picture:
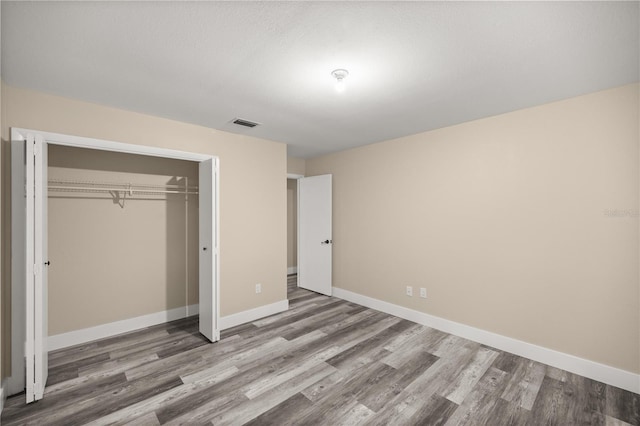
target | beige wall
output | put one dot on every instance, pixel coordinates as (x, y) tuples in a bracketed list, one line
[(523, 224), (119, 256), (292, 223), (296, 166), (252, 194)]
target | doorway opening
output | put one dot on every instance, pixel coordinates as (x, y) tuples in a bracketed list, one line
[(122, 239), (292, 226), (29, 243)]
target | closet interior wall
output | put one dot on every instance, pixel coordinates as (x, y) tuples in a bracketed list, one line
[(119, 254)]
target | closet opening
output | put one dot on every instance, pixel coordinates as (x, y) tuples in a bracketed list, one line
[(106, 238), (122, 239)]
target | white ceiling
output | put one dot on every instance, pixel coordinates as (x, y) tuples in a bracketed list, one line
[(414, 66)]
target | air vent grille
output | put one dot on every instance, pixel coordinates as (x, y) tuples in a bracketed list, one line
[(245, 123)]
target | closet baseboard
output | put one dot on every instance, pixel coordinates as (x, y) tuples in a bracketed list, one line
[(85, 335), (253, 314)]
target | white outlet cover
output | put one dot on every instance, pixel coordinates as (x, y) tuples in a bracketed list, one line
[(409, 290), (423, 292), (258, 288)]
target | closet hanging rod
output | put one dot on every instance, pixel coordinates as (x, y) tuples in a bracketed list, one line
[(71, 186), (140, 185), (130, 190)]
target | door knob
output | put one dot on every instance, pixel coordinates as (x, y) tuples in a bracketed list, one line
[(47, 263), (326, 242)]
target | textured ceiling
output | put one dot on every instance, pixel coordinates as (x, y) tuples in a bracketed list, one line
[(414, 66)]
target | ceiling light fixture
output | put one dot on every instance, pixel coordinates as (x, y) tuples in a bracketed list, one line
[(340, 75)]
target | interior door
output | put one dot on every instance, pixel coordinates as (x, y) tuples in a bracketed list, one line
[(41, 313), (314, 234), (36, 267), (208, 249)]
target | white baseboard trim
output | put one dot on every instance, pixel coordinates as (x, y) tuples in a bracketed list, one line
[(292, 270), (85, 335), (583, 367), (253, 314)]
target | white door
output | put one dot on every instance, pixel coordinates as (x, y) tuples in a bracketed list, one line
[(208, 249), (41, 312), (314, 234), (35, 277)]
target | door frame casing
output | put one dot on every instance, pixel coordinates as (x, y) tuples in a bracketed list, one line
[(16, 382), (295, 176), (19, 258)]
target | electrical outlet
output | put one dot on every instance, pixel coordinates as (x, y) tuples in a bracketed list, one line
[(409, 291), (423, 292), (258, 288)]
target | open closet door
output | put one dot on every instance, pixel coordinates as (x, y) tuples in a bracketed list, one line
[(35, 277), (208, 249), (41, 313)]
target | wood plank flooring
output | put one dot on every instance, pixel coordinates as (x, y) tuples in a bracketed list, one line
[(324, 361)]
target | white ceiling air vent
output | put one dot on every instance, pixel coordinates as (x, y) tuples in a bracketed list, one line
[(245, 123)]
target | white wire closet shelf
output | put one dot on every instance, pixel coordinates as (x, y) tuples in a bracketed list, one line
[(59, 185)]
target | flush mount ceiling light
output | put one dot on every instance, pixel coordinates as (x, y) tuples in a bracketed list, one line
[(340, 75)]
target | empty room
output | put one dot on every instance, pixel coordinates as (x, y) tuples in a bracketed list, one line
[(320, 213)]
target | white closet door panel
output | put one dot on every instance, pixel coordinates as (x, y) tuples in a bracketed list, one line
[(30, 270), (41, 268), (208, 249)]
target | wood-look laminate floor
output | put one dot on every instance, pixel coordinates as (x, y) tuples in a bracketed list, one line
[(324, 361)]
